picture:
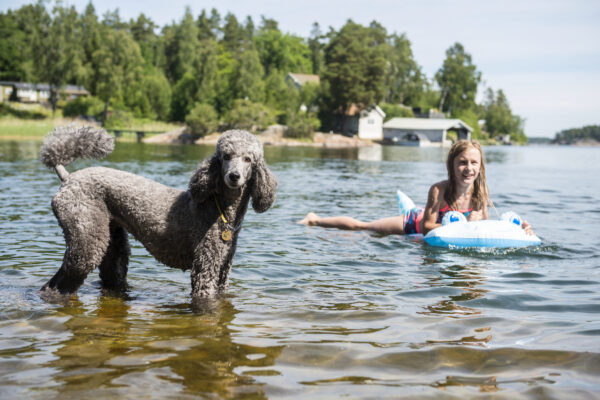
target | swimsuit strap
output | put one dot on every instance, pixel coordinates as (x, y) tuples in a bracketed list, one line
[(447, 208)]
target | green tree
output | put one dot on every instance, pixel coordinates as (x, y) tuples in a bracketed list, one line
[(34, 21), (91, 32), (156, 89), (249, 29), (142, 30), (198, 85), (183, 98), (208, 26), (458, 79), (315, 45), (404, 81), (225, 82), (119, 62), (499, 119), (279, 96), (354, 69), (206, 71), (58, 54), (234, 35), (181, 47), (112, 19), (13, 41), (285, 53), (249, 75)]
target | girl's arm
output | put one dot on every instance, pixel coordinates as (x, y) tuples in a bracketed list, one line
[(528, 229), (432, 209), (478, 215)]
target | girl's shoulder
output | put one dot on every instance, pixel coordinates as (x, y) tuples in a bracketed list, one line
[(436, 193), (439, 187)]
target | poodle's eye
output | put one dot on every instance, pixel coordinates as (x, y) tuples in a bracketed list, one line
[(226, 157), (247, 159)]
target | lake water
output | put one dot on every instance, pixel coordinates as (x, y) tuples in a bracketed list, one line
[(312, 312)]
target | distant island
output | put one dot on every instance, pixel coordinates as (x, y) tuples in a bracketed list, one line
[(587, 135)]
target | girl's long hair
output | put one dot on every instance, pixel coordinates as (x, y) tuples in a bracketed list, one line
[(480, 196)]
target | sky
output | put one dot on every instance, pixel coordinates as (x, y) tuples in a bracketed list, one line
[(544, 54)]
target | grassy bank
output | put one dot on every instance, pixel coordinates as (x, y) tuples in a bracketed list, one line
[(32, 129), (14, 128), (34, 121)]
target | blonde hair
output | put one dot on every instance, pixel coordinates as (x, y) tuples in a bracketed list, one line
[(480, 196)]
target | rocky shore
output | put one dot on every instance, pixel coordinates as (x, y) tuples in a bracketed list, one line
[(272, 136)]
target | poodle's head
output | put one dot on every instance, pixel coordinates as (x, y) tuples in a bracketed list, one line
[(238, 152), (238, 161)]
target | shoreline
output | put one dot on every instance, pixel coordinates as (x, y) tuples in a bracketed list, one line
[(273, 136)]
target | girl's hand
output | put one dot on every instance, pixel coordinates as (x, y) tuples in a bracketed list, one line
[(475, 216), (527, 227)]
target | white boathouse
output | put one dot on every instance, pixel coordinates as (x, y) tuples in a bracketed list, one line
[(424, 131)]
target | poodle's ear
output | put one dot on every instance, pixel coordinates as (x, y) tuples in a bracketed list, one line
[(204, 181), (264, 187)]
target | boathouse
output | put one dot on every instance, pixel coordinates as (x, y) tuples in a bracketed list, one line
[(424, 131)]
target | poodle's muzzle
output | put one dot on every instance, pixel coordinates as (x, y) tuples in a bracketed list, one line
[(237, 171)]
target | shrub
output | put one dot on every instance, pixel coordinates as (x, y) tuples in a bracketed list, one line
[(471, 118), (396, 111), (22, 111), (249, 116), (84, 106), (302, 125), (119, 119), (202, 119)]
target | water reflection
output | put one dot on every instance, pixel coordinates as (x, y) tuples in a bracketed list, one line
[(118, 347), (315, 313), (468, 279)]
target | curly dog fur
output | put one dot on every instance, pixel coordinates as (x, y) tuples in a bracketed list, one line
[(96, 207)]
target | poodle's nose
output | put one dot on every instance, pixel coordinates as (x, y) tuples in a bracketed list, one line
[(234, 176)]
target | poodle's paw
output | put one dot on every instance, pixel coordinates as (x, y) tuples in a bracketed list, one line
[(53, 295), (310, 219)]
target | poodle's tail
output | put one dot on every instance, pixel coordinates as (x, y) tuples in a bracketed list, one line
[(66, 143)]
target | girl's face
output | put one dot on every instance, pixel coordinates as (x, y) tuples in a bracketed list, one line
[(467, 166)]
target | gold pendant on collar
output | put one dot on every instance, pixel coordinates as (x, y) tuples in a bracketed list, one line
[(226, 235)]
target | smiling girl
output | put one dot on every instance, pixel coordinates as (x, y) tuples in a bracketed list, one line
[(464, 191)]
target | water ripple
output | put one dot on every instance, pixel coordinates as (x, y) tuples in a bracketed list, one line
[(315, 312)]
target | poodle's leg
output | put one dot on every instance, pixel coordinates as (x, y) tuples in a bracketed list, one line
[(205, 276), (113, 269), (211, 268), (87, 235)]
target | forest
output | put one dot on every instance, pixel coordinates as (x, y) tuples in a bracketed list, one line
[(586, 134), (215, 71)]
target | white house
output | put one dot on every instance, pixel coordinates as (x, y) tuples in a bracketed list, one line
[(37, 92), (424, 131), (370, 123)]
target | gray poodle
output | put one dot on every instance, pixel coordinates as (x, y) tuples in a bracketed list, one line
[(195, 230)]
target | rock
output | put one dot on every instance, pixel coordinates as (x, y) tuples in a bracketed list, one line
[(332, 140), (176, 136), (272, 136), (208, 139)]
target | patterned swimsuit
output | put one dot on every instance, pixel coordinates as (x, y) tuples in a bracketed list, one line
[(412, 218)]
